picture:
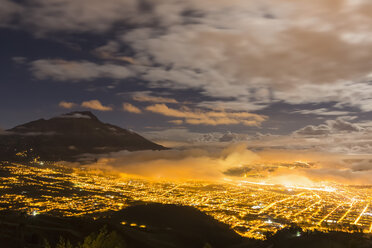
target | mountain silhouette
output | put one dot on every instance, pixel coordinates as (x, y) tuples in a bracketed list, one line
[(68, 136)]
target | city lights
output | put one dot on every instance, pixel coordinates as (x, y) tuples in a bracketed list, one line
[(251, 209)]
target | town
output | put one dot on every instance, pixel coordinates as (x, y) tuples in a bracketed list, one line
[(251, 209)]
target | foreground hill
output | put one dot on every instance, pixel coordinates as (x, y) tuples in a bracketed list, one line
[(182, 225), (67, 136), (139, 226)]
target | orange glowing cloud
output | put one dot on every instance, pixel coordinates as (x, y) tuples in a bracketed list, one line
[(96, 105), (131, 108), (213, 118), (67, 105), (142, 97), (194, 163)]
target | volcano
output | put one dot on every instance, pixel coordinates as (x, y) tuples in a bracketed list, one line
[(68, 137)]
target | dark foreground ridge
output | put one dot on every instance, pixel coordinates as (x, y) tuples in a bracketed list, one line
[(67, 136), (154, 226)]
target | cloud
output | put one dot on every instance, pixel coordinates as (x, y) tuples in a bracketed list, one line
[(340, 175), (218, 163), (314, 130), (62, 70), (321, 111), (331, 126), (261, 170), (184, 137), (237, 104), (213, 118), (8, 12), (96, 105), (75, 116), (344, 93), (177, 122), (172, 137), (67, 105), (285, 55), (359, 165), (328, 148), (111, 51), (19, 60), (92, 104), (229, 137), (131, 108), (47, 16), (250, 54), (145, 97), (340, 125), (193, 163)]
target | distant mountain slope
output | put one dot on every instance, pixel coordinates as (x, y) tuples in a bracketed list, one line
[(66, 136)]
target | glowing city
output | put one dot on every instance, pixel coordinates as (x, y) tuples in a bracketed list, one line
[(251, 209)]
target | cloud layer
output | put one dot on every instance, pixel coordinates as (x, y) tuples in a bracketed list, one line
[(213, 118), (252, 52), (238, 163)]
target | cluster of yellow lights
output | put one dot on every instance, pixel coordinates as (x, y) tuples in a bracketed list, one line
[(250, 208)]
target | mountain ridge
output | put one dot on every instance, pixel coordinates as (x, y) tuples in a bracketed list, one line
[(69, 135)]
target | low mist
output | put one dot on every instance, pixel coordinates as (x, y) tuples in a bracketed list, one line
[(236, 162)]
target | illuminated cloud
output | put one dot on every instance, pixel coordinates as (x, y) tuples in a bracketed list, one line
[(110, 51), (314, 130), (331, 126), (145, 97), (253, 53), (213, 118), (62, 70), (343, 93), (183, 137), (131, 108), (67, 105), (228, 137), (288, 53), (45, 16), (321, 111), (8, 12), (177, 122), (236, 161), (196, 163), (96, 105)]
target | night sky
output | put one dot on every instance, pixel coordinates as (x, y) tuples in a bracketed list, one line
[(279, 74)]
